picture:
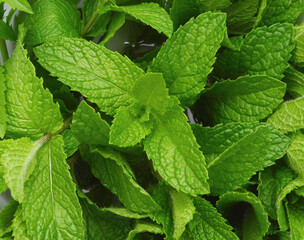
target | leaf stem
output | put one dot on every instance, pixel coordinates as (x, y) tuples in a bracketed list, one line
[(3, 50)]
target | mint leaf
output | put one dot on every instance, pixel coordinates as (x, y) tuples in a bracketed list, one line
[(19, 226), (102, 225), (259, 223), (282, 11), (71, 143), (119, 180), (93, 78), (208, 224), (290, 116), (6, 32), (245, 99), (3, 186), (265, 51), (209, 5), (116, 23), (89, 127), (18, 158), (22, 5), (182, 212), (295, 82), (52, 20), (295, 154), (195, 44), (50, 197), (30, 109), (3, 117), (151, 14), (297, 54), (172, 146), (296, 220), (124, 212), (7, 216), (141, 227)]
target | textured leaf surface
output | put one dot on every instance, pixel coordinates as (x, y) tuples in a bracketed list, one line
[(89, 127), (110, 168), (22, 5), (290, 116), (71, 143), (151, 14), (124, 212), (265, 51), (195, 44), (117, 21), (30, 109), (50, 205), (52, 19), (245, 99), (19, 226), (209, 5), (295, 154), (282, 11), (6, 32), (141, 227), (298, 52), (229, 199), (182, 211), (3, 117), (208, 224), (296, 220), (7, 216), (18, 158), (3, 186), (239, 162), (102, 225), (295, 82), (103, 76), (175, 153)]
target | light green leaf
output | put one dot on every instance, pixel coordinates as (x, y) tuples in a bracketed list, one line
[(174, 152), (195, 44), (296, 220), (104, 77), (19, 226), (128, 129), (112, 170), (6, 32), (297, 54), (50, 207), (245, 99), (182, 211), (295, 82), (265, 51), (289, 117), (18, 158), (30, 109), (3, 186), (117, 21), (295, 154), (102, 225), (208, 224), (260, 223), (239, 162), (52, 20), (151, 14), (71, 143), (3, 117), (7, 216), (22, 5), (282, 11), (141, 227), (89, 127), (214, 141), (124, 212)]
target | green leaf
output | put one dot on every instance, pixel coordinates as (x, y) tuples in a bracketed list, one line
[(71, 143), (289, 117), (89, 127), (214, 141), (6, 32), (245, 99), (19, 226), (30, 109), (124, 212), (265, 51), (296, 220), (3, 117), (210, 5), (239, 162), (208, 224), (50, 207), (18, 158), (89, 69), (182, 11), (182, 211), (297, 54), (195, 44), (282, 11), (151, 14), (7, 216), (52, 20), (117, 21), (102, 225), (260, 223), (111, 168), (3, 186), (295, 154), (174, 152), (141, 227), (295, 82), (22, 5)]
